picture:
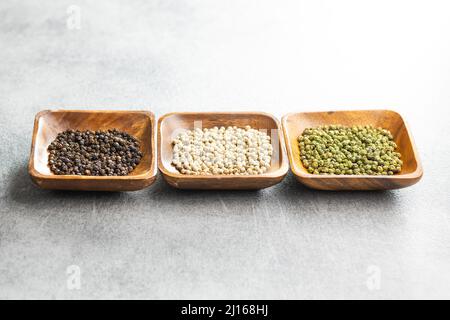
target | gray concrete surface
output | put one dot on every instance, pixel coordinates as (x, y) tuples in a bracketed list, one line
[(283, 242)]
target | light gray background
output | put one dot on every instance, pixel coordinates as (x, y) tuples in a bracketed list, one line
[(275, 56)]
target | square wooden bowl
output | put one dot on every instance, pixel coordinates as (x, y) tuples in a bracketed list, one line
[(49, 123), (171, 124), (294, 124)]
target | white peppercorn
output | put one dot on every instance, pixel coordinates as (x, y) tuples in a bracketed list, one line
[(222, 151)]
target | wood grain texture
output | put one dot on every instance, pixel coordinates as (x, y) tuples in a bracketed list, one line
[(48, 124), (295, 123), (171, 124)]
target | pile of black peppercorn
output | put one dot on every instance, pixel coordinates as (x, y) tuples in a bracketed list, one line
[(94, 153)]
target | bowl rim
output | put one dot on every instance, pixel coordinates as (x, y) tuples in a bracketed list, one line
[(417, 173), (280, 172), (148, 174)]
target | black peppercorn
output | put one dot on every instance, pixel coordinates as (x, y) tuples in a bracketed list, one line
[(94, 153)]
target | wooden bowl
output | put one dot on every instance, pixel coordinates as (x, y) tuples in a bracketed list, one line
[(294, 124), (48, 124), (171, 124)]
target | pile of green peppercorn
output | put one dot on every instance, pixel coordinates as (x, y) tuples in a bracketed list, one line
[(356, 150), (94, 153)]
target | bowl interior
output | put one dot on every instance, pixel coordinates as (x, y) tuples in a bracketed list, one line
[(390, 120), (173, 124), (50, 123)]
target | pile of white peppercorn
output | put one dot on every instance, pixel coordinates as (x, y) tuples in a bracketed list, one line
[(94, 153), (222, 151)]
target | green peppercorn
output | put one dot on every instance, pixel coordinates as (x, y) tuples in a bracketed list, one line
[(355, 150)]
